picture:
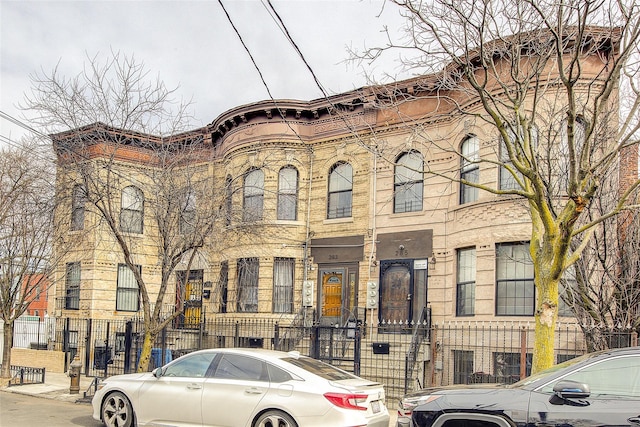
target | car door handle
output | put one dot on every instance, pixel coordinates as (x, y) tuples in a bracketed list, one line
[(634, 420), (253, 390), (194, 386)]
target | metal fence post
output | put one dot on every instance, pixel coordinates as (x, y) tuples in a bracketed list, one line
[(127, 347), (236, 335), (87, 347), (107, 352), (65, 343), (357, 349), (434, 354), (276, 337), (406, 371), (201, 329), (315, 342), (163, 347)]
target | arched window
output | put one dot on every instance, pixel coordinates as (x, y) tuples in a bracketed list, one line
[(78, 200), (469, 169), (288, 193), (561, 162), (408, 184), (253, 195), (340, 195), (507, 179), (132, 210), (510, 180)]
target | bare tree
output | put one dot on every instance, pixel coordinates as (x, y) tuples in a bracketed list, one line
[(603, 287), (122, 151), (546, 75), (27, 234)]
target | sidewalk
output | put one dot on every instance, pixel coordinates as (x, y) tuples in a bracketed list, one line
[(56, 386)]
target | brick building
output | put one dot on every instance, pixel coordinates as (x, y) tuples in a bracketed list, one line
[(346, 224), (38, 288)]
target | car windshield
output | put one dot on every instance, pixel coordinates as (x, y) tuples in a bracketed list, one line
[(533, 379), (320, 369)]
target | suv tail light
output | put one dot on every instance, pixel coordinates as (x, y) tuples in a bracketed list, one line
[(348, 400)]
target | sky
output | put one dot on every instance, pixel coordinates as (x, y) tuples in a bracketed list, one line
[(192, 46)]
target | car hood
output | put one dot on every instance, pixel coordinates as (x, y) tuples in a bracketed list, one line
[(482, 397), (129, 377), (457, 389)]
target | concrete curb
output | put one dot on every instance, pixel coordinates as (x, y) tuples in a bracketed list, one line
[(56, 387)]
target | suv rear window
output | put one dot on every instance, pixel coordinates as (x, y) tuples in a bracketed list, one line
[(320, 369)]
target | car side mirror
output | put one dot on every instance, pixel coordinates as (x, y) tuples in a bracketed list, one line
[(571, 390), (157, 372)]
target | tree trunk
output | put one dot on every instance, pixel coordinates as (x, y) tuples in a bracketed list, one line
[(6, 350), (145, 352), (546, 316)]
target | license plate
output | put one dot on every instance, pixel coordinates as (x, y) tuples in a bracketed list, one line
[(375, 406)]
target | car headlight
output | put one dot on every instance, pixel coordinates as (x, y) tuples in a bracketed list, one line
[(408, 404), (100, 385)]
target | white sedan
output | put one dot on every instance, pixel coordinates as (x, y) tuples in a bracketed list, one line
[(241, 388)]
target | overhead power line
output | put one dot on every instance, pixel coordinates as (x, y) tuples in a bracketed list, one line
[(284, 29), (287, 34), (20, 123), (246, 49)]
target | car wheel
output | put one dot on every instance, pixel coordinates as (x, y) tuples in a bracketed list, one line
[(275, 419), (117, 411)]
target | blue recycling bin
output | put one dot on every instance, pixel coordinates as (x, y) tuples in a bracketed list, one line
[(156, 357)]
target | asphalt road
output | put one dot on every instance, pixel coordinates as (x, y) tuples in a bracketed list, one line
[(18, 410)]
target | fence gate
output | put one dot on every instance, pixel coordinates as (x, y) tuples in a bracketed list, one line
[(338, 346)]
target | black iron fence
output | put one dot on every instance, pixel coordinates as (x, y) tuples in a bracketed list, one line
[(22, 375), (402, 356)]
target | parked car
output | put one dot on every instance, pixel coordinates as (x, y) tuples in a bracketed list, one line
[(596, 389), (241, 387)]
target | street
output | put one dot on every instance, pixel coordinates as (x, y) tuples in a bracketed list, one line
[(17, 410)]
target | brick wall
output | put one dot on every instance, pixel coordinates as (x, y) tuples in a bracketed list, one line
[(52, 361)]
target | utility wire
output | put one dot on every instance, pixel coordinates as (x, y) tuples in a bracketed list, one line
[(246, 49), (297, 49), (31, 150), (264, 82), (283, 28), (20, 123)]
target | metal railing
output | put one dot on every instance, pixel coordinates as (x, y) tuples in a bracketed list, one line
[(401, 355), (23, 375), (418, 336)]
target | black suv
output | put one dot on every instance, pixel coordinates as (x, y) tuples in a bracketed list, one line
[(596, 389)]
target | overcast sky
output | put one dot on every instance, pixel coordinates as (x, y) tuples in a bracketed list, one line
[(191, 44)]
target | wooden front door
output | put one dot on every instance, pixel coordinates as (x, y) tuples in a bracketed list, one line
[(332, 293), (338, 293)]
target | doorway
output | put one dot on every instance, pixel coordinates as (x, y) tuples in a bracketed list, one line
[(338, 293), (403, 290), (189, 298)]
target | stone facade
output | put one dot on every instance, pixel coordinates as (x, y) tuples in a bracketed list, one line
[(408, 256)]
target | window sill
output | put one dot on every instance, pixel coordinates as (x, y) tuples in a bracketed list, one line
[(338, 220), (289, 222), (408, 214)]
